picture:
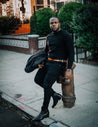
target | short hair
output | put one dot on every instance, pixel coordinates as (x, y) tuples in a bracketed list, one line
[(55, 17)]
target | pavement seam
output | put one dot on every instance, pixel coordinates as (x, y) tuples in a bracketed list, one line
[(85, 83), (60, 122), (35, 100), (89, 90)]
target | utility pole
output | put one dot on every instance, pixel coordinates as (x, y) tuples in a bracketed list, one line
[(35, 19)]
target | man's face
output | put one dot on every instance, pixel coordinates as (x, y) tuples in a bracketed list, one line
[(54, 24)]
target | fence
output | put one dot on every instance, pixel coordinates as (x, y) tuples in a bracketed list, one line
[(30, 44), (80, 54)]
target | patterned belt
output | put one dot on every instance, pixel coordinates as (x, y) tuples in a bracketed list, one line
[(57, 60)]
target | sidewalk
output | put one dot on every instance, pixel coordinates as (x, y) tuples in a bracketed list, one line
[(19, 88)]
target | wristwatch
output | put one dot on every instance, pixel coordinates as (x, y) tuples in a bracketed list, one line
[(68, 69)]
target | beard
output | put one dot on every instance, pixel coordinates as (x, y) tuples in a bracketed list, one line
[(55, 29)]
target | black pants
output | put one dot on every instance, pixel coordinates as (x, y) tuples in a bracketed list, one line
[(46, 77)]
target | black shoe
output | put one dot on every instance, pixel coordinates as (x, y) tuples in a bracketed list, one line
[(56, 98), (42, 115)]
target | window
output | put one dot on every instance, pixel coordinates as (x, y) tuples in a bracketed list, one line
[(39, 1), (48, 2)]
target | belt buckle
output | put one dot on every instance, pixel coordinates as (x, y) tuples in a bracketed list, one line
[(57, 60), (62, 61)]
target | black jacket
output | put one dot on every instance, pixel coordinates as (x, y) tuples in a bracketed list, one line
[(61, 46), (34, 60)]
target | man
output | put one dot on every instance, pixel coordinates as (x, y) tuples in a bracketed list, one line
[(59, 48)]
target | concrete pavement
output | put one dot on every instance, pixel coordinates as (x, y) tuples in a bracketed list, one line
[(19, 88)]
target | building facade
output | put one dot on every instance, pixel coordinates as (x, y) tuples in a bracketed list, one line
[(23, 9)]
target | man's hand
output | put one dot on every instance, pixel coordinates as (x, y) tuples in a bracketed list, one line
[(68, 74), (41, 65)]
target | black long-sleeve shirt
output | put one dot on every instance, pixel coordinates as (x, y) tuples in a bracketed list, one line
[(60, 46)]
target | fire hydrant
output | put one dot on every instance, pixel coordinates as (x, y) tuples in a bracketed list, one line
[(68, 90)]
